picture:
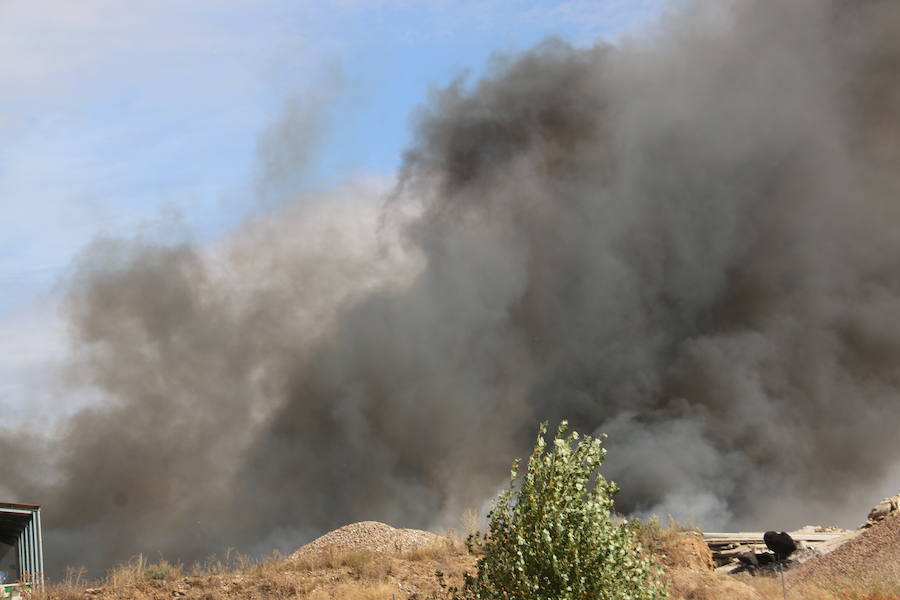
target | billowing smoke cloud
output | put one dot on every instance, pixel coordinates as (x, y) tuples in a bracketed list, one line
[(690, 241)]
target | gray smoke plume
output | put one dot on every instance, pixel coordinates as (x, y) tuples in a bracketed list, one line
[(690, 241)]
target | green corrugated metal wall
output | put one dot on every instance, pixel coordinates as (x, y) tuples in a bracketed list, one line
[(20, 525)]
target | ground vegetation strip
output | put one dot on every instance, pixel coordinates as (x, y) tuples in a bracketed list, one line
[(353, 571)]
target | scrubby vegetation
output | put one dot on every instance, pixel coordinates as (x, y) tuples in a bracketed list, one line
[(334, 574), (551, 533), (331, 574)]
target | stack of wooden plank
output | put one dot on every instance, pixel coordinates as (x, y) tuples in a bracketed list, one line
[(746, 549)]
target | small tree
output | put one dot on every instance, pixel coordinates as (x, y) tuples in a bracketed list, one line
[(551, 537)]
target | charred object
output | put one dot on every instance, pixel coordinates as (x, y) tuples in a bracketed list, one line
[(780, 543)]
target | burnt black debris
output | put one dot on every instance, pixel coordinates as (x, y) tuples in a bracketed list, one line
[(781, 543)]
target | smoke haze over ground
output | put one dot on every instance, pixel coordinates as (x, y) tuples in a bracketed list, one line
[(690, 241)]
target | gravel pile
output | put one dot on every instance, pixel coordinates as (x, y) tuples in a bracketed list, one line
[(369, 535), (873, 556)]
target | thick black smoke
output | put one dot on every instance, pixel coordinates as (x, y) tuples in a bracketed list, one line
[(690, 241)]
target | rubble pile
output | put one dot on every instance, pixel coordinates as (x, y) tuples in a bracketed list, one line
[(756, 558), (369, 535), (881, 511), (746, 552)]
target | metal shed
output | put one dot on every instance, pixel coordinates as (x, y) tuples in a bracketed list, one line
[(21, 549)]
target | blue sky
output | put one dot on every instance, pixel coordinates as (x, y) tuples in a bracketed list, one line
[(118, 115)]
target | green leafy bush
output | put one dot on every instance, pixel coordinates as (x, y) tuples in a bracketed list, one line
[(551, 535)]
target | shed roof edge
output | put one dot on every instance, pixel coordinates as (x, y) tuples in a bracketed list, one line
[(18, 506)]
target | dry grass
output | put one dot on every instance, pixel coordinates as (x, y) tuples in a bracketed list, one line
[(769, 588), (379, 591), (441, 548), (674, 545), (471, 521), (358, 574), (329, 574), (139, 570), (691, 584)]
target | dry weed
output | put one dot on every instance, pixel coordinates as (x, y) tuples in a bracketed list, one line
[(361, 564), (690, 584), (449, 545), (674, 545), (770, 589), (471, 521), (368, 575), (379, 591)]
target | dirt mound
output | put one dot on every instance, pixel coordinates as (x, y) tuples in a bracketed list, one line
[(683, 550), (871, 557), (369, 535)]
